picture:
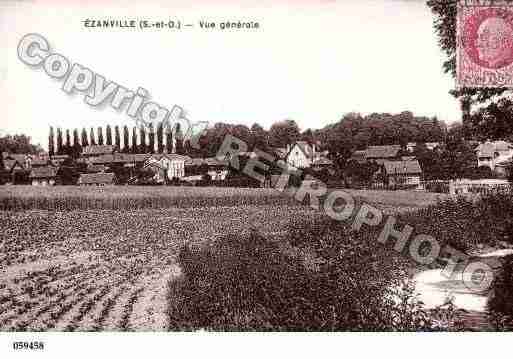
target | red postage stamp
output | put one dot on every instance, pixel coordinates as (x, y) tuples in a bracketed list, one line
[(484, 46)]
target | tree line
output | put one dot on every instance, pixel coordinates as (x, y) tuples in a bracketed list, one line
[(340, 139), (71, 142)]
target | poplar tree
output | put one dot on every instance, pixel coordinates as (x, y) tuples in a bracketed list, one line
[(67, 147), (76, 149), (142, 134), (134, 140), (51, 148), (151, 136), (169, 141), (92, 140), (60, 149), (85, 142), (100, 136), (160, 138), (117, 138), (126, 139), (108, 134)]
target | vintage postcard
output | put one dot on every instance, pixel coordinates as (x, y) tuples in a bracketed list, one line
[(179, 177)]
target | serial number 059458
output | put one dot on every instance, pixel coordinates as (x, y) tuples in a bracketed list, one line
[(28, 345)]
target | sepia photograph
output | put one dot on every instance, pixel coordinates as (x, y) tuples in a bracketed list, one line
[(233, 177)]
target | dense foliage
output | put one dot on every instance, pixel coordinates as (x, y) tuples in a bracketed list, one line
[(18, 144), (253, 283)]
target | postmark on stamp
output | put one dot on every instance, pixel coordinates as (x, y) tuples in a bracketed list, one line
[(484, 46)]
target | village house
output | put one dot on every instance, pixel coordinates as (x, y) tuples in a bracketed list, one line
[(304, 155), (217, 168), (402, 173), (494, 155), (380, 154), (96, 179), (43, 176), (166, 166)]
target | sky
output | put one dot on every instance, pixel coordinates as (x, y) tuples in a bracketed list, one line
[(310, 60)]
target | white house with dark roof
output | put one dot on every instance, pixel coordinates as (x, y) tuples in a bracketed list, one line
[(305, 155)]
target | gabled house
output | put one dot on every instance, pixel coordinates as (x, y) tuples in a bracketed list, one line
[(399, 173), (43, 176), (166, 166), (305, 155), (490, 154)]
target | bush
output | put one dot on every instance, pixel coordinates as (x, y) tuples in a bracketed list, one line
[(499, 303), (252, 283), (464, 223)]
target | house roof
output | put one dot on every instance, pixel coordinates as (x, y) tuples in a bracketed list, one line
[(98, 149), (170, 156), (488, 148), (388, 151), (96, 178), (194, 162), (60, 157), (120, 158), (213, 161), (402, 167), (43, 172)]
